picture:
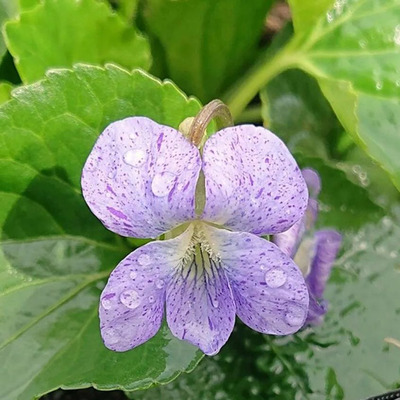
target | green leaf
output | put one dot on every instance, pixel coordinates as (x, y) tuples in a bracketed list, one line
[(353, 49), (27, 4), (344, 205), (5, 91), (8, 9), (295, 109), (203, 383), (127, 8), (59, 33), (306, 13), (364, 312), (55, 255), (361, 169), (211, 41)]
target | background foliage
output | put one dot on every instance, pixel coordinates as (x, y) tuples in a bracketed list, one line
[(328, 84)]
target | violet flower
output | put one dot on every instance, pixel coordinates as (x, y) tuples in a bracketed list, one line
[(140, 180), (315, 256)]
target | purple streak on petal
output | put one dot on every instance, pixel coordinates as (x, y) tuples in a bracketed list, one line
[(316, 311), (253, 184), (200, 307), (132, 303), (327, 244), (289, 240), (313, 181), (269, 289), (142, 173)]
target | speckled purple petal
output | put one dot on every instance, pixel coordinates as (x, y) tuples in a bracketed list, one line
[(327, 244), (313, 181), (132, 303), (269, 290), (200, 307), (253, 184), (140, 178)]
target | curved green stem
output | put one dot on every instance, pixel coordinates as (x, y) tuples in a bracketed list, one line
[(252, 114), (247, 88)]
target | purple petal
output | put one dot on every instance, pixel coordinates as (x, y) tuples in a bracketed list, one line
[(289, 240), (269, 290), (200, 307), (253, 184), (316, 311), (132, 303), (327, 244), (140, 178), (313, 181)]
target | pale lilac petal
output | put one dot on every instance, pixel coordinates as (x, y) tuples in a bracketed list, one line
[(269, 289), (253, 184), (327, 244), (289, 240), (316, 311), (140, 178), (132, 303), (200, 306), (313, 181), (311, 214)]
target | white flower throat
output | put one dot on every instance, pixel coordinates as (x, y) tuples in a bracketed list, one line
[(201, 254)]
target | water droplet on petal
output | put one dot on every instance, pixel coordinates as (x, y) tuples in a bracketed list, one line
[(215, 303), (106, 300), (110, 336), (160, 284), (162, 184), (275, 277), (295, 316), (144, 259), (133, 275), (263, 267), (112, 174), (130, 299), (136, 157), (106, 303), (152, 299)]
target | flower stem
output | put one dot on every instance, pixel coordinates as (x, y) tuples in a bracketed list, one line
[(217, 110), (259, 76)]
